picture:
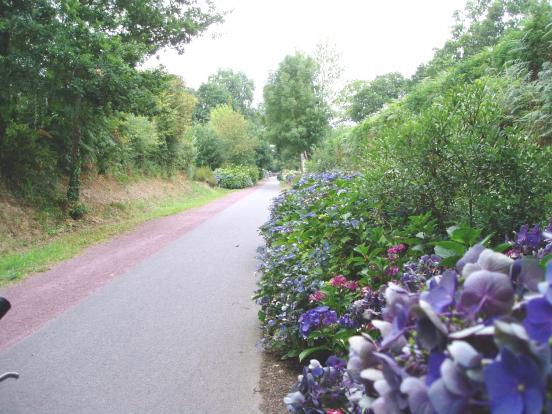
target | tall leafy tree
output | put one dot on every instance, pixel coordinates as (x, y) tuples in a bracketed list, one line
[(295, 113), (363, 98), (225, 87)]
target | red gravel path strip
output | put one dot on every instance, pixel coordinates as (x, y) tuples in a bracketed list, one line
[(44, 296)]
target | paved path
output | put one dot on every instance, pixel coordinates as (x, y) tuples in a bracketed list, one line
[(174, 334)]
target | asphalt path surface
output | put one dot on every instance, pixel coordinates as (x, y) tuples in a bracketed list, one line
[(176, 333)]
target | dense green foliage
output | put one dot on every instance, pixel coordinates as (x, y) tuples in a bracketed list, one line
[(75, 102), (66, 69), (204, 174)]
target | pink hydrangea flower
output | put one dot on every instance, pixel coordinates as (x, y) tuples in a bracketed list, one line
[(351, 285), (334, 411), (397, 249), (338, 281), (317, 296)]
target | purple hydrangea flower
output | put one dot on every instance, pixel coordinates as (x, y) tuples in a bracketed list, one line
[(434, 362), (514, 385), (527, 272), (346, 321), (471, 256), (336, 363), (529, 240), (490, 293), (442, 295), (450, 394), (316, 318)]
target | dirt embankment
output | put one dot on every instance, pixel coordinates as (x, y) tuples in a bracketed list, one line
[(106, 198)]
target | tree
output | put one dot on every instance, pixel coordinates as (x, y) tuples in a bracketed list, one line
[(225, 87), (234, 131), (210, 148), (295, 113), (329, 70), (67, 66), (176, 107), (362, 98), (479, 26)]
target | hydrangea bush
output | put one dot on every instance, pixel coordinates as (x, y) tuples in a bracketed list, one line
[(473, 338), (237, 176), (407, 320), (320, 233)]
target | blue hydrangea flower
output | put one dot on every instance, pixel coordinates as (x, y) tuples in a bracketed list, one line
[(514, 385), (538, 319)]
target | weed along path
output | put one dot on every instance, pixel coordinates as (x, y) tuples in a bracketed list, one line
[(175, 332)]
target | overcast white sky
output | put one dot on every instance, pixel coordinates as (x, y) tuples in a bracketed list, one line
[(372, 36)]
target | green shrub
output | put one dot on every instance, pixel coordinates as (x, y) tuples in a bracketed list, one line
[(237, 176), (461, 159), (206, 175), (78, 212), (254, 172), (143, 139)]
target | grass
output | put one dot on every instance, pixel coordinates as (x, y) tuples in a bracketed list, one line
[(16, 266)]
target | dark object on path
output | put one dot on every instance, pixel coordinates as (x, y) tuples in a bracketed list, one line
[(5, 306)]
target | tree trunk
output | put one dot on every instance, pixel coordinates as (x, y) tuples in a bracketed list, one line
[(304, 159), (73, 189), (3, 127)]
